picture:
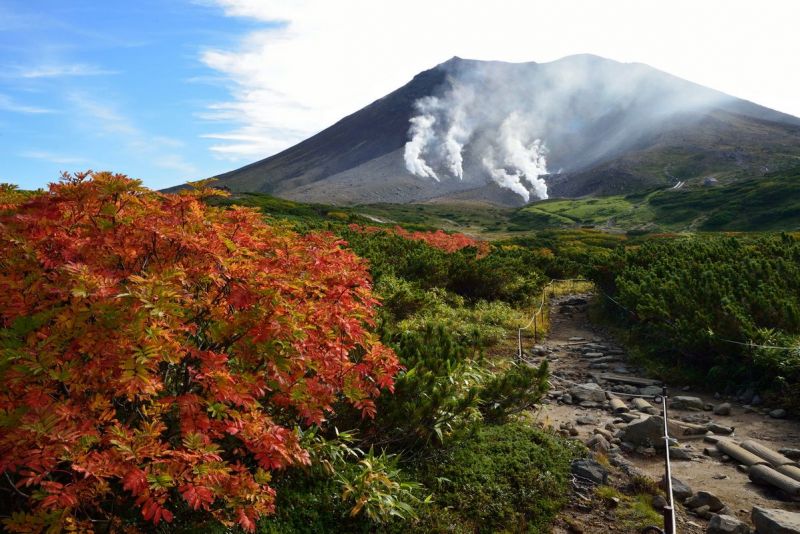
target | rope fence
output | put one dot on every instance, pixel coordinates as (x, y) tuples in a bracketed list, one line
[(669, 510), (540, 310), (533, 323)]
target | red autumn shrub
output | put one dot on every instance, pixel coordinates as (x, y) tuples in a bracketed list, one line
[(155, 350), (437, 239)]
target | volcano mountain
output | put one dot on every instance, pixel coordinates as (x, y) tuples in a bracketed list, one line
[(497, 133)]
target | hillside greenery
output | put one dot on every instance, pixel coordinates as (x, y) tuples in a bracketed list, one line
[(712, 309), (255, 348), (390, 399), (767, 203)]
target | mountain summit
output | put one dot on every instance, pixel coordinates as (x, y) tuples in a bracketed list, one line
[(508, 133)]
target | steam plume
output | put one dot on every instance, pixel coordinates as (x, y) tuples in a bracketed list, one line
[(505, 122), (422, 134), (508, 149)]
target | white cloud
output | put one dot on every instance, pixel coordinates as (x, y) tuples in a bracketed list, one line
[(330, 58), (9, 104), (62, 70), (53, 158)]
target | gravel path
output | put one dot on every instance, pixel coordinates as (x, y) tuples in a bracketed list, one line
[(570, 334)]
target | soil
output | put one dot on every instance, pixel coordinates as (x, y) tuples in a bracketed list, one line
[(586, 513)]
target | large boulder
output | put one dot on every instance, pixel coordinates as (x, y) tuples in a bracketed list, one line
[(726, 524), (686, 403), (587, 470), (588, 392), (647, 432), (775, 521)]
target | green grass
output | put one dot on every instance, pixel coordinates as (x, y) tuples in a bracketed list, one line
[(590, 211), (761, 204), (769, 203)]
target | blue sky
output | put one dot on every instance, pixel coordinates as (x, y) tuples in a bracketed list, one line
[(110, 86), (172, 90)]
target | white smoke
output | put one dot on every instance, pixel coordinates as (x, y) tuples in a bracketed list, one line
[(503, 178), (453, 146), (509, 151), (422, 135), (524, 153), (490, 121)]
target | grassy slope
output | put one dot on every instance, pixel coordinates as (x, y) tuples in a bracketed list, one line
[(761, 204)]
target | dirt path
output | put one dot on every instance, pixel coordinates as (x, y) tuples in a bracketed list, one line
[(570, 333)]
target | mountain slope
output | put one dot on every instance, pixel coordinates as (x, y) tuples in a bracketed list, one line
[(606, 128)]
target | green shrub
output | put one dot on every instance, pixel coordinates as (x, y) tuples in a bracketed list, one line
[(512, 391), (489, 321), (502, 478), (446, 386), (343, 490), (436, 393), (697, 303)]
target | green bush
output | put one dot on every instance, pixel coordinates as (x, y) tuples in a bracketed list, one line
[(444, 388), (697, 303), (502, 478), (489, 321), (512, 391), (435, 394), (343, 490)]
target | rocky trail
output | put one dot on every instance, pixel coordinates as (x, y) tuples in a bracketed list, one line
[(591, 400)]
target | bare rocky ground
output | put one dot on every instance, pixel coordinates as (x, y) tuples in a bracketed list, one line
[(571, 337)]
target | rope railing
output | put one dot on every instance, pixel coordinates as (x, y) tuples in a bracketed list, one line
[(534, 317), (669, 510)]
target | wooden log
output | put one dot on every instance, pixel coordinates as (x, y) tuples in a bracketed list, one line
[(790, 471), (617, 406), (739, 454), (763, 474), (681, 428), (643, 406), (773, 457)]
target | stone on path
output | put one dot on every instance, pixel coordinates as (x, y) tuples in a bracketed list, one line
[(720, 429), (686, 403), (588, 392), (645, 432), (726, 524), (587, 470), (629, 417), (780, 413), (704, 498), (625, 388), (650, 391), (722, 409), (599, 444), (680, 490), (588, 420), (775, 521), (677, 453)]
